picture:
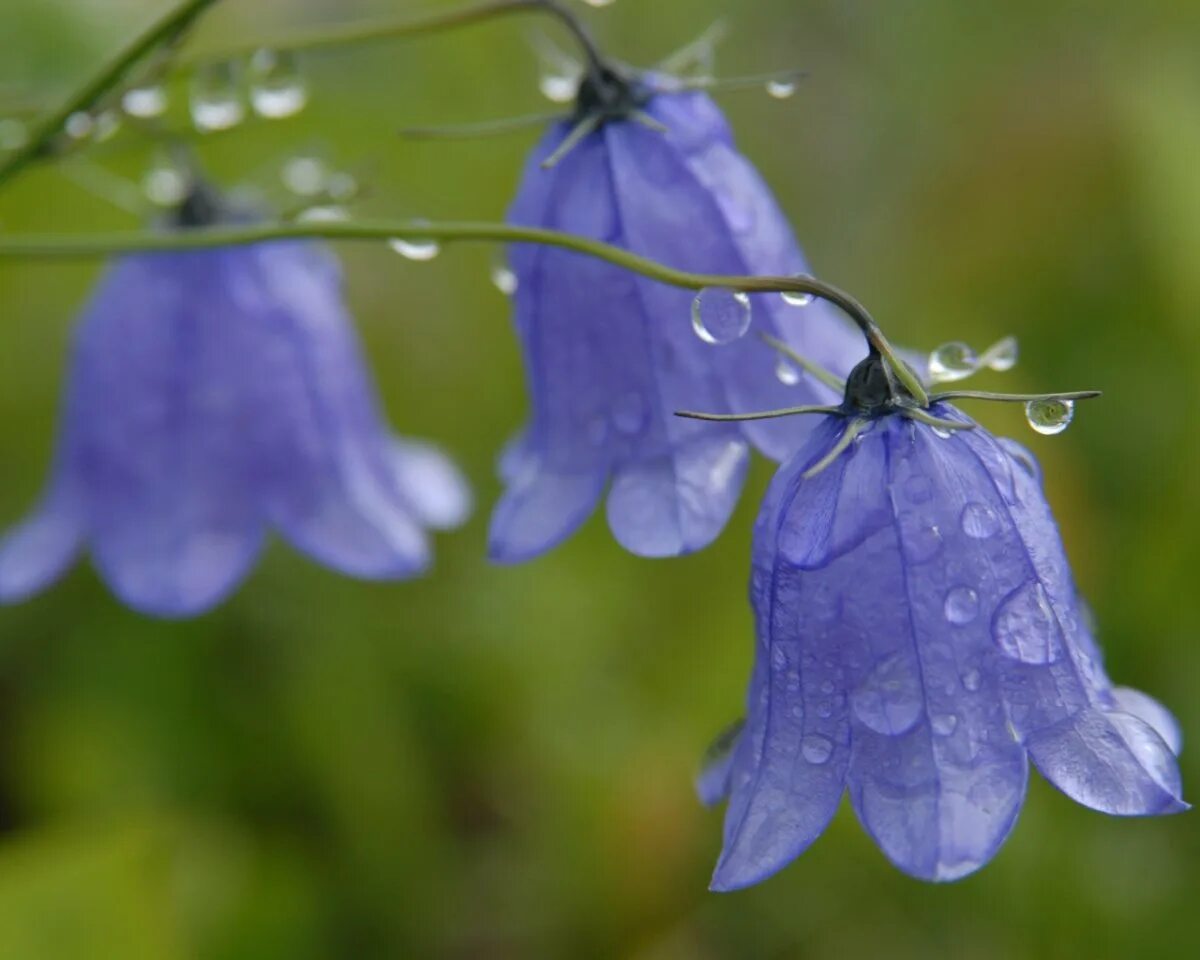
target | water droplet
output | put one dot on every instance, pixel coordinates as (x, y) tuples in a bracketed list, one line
[(794, 298), (629, 413), (942, 433), (979, 521), (1050, 417), (787, 372), (277, 89), (165, 183), (781, 88), (416, 248), (504, 279), (305, 176), (889, 701), (599, 3), (79, 125), (13, 134), (971, 680), (559, 86), (720, 316), (1025, 627), (816, 749), (214, 100), (944, 724), (952, 361), (962, 605), (324, 213), (1001, 356), (145, 102)]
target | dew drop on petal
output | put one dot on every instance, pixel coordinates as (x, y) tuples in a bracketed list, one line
[(214, 101), (1025, 627), (952, 361), (421, 249), (942, 433), (1002, 355), (781, 88), (1050, 416), (979, 521), (145, 102), (720, 316), (816, 749), (889, 700), (971, 680), (277, 88), (944, 724), (787, 372), (961, 606)]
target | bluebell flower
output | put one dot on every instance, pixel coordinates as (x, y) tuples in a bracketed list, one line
[(213, 396), (609, 355), (919, 640)]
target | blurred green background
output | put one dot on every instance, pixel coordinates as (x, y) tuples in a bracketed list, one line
[(497, 762)]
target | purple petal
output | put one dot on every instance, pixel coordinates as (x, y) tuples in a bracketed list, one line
[(431, 484), (677, 504), (540, 513), (1112, 762), (37, 551), (1146, 708)]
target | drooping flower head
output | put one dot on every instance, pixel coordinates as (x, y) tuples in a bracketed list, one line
[(650, 165), (213, 396), (919, 640)]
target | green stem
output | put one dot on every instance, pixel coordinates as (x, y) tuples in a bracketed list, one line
[(1012, 397), (107, 77), (351, 33), (93, 245)]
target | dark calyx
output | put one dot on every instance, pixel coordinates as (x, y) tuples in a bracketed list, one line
[(201, 207), (872, 390), (610, 94)]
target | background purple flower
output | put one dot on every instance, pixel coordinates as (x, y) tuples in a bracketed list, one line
[(610, 355), (918, 637), (214, 395)]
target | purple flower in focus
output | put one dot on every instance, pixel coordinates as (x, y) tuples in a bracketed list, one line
[(610, 355), (215, 395), (919, 639)]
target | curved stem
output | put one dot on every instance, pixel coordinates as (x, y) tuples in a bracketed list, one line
[(92, 245), (337, 36), (1012, 397), (108, 76)]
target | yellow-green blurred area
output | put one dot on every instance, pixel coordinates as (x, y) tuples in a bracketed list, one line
[(497, 762)]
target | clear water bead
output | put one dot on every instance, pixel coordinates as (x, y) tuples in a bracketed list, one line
[(952, 361), (787, 372), (277, 88), (305, 176), (416, 248), (795, 298), (165, 183), (1002, 355), (816, 749), (145, 102), (214, 101), (1050, 416), (781, 88), (720, 316), (79, 125), (504, 279), (1025, 627), (961, 606), (979, 521), (890, 700), (558, 86)]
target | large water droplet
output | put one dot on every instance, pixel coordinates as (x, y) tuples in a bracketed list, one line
[(720, 316), (165, 182), (816, 749), (416, 248), (145, 102), (305, 176), (962, 605), (13, 134), (787, 372), (794, 298), (952, 361), (781, 88), (1025, 627), (979, 521), (1049, 417), (1001, 356), (889, 701), (558, 86), (277, 89), (214, 99)]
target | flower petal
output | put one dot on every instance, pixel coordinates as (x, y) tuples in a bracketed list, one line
[(430, 483), (540, 513), (37, 551), (1146, 708), (678, 504)]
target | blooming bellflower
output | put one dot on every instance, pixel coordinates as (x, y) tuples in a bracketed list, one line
[(610, 355), (919, 640), (214, 395)]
